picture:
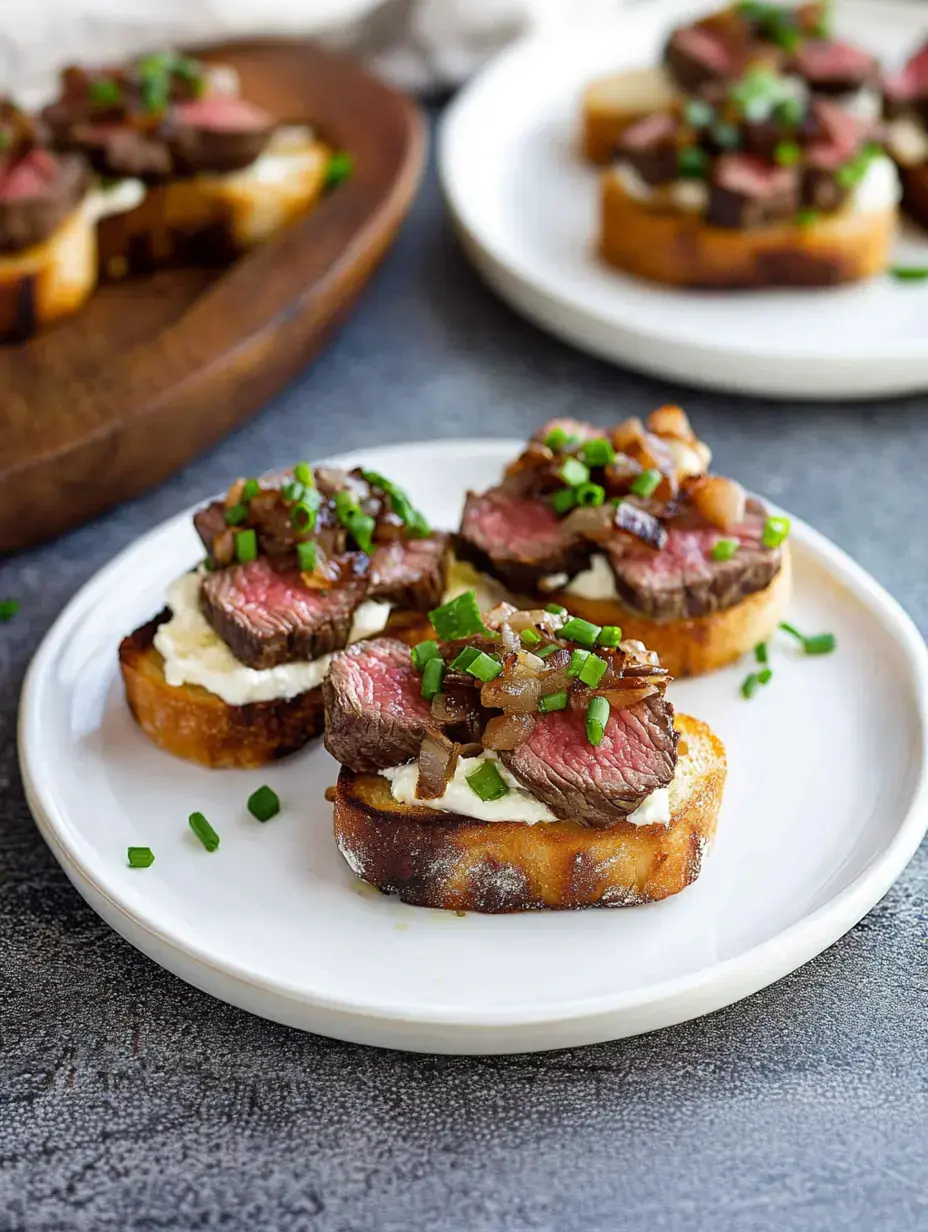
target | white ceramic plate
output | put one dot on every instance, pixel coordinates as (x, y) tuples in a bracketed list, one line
[(825, 804), (526, 208)]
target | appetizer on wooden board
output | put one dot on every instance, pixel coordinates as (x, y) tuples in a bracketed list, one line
[(628, 529), (298, 566)]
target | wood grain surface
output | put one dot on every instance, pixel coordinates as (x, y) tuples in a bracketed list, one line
[(153, 370)]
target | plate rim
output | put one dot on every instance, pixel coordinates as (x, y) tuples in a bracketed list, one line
[(770, 959)]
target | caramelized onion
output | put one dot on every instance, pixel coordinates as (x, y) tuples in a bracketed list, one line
[(498, 615), (592, 521), (642, 525), (689, 460), (437, 758), (507, 731), (627, 434), (224, 547), (452, 707), (720, 501), (621, 699), (516, 694), (234, 494), (671, 421)]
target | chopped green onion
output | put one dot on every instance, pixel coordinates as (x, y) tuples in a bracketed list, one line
[(530, 637), (590, 494), (597, 717), (597, 452), (338, 168), (547, 650), (421, 654), (463, 661), (582, 631), (346, 505), (821, 643), (765, 676), (487, 783), (204, 831), (563, 500), (724, 549), (593, 671), (292, 491), (251, 489), (361, 527), (246, 546), (8, 608), (416, 524), (909, 273), (750, 685), (790, 112), (609, 636), (553, 701), (432, 678), (105, 93), (556, 439), (140, 857), (236, 515), (692, 163), (306, 555), (484, 667), (760, 652), (573, 472), (792, 631), (264, 803), (726, 136), (303, 472), (459, 618), (806, 218), (646, 484), (776, 531), (787, 154), (698, 114), (302, 517), (577, 660), (556, 610)]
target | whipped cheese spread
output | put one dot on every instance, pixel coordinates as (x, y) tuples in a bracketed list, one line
[(119, 198), (517, 805), (194, 653), (597, 582), (289, 151)]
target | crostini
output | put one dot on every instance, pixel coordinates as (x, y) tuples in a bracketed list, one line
[(518, 761), (702, 58), (298, 566), (220, 174), (627, 528), (906, 104), (767, 188)]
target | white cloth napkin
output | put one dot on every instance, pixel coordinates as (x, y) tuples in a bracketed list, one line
[(417, 44)]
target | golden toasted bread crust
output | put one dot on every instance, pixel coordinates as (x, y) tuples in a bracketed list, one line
[(433, 859), (604, 118), (49, 280), (704, 643), (682, 250)]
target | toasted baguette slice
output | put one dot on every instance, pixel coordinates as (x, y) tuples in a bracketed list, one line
[(611, 104), (211, 219), (683, 250), (433, 859), (49, 280)]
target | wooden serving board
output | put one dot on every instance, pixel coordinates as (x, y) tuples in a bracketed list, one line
[(153, 370)]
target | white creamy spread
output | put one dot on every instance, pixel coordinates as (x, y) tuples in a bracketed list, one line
[(194, 653), (118, 198), (288, 150), (517, 805), (908, 140), (597, 582), (879, 189), (865, 104)]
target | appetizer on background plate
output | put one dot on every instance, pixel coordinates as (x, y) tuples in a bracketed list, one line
[(906, 110), (298, 566), (518, 761), (627, 528)]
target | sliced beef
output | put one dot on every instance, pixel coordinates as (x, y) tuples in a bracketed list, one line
[(217, 133), (906, 89), (411, 573), (375, 715), (683, 581), (117, 150), (598, 786), (37, 193), (833, 67), (747, 192), (268, 617), (649, 146), (519, 541), (697, 57)]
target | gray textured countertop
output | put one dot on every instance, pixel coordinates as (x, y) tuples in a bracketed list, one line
[(130, 1101)]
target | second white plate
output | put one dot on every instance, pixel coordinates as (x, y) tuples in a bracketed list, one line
[(526, 208)]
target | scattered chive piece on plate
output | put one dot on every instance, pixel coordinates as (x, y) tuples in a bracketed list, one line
[(750, 685), (204, 831), (556, 610), (765, 676), (597, 452), (140, 857), (236, 515), (8, 608), (776, 531), (563, 500), (609, 636), (910, 273), (597, 716), (591, 494), (574, 473), (646, 484), (264, 803), (593, 671), (487, 782), (246, 546), (821, 643), (724, 549), (582, 631), (338, 168), (530, 637), (760, 652), (553, 701), (459, 618), (465, 658), (484, 667), (577, 660), (422, 653), (251, 489), (306, 555), (433, 676)]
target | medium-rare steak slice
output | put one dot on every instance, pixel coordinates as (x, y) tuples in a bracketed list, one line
[(598, 785), (683, 580), (518, 540), (411, 573), (266, 617), (375, 714)]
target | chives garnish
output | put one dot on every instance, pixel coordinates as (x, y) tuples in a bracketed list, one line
[(597, 716), (760, 652), (805, 218), (563, 500), (698, 114), (556, 439), (776, 531), (304, 474), (421, 654), (593, 671), (553, 701), (361, 527), (590, 494), (646, 484), (105, 93), (573, 472), (792, 631), (582, 631), (465, 658), (432, 678), (577, 660), (8, 608), (204, 831), (236, 515), (544, 651), (338, 168), (251, 489), (609, 636), (246, 546), (597, 453), (484, 667), (140, 857), (556, 610), (692, 163), (487, 782), (530, 637), (724, 549), (750, 685), (302, 517), (416, 525), (306, 555), (459, 618), (821, 643), (765, 676), (787, 154), (264, 803), (345, 505), (909, 273), (292, 491)]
